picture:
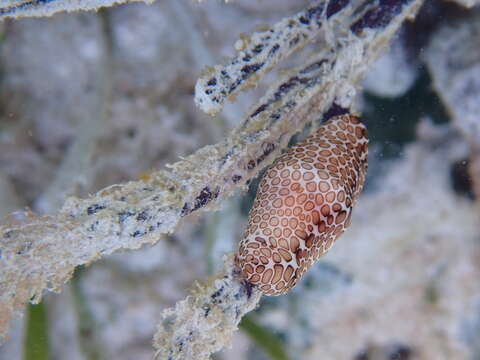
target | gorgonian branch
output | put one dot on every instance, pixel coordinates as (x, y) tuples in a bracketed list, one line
[(39, 8), (204, 322), (260, 52)]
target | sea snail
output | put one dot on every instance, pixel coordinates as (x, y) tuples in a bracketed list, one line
[(303, 204)]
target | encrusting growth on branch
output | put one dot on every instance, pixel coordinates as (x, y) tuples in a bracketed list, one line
[(304, 203), (204, 322), (37, 8), (260, 52)]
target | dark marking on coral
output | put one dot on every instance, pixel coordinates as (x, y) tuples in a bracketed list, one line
[(216, 296), (315, 13), (248, 288), (212, 82), (234, 85), (285, 88), (260, 109), (273, 50), (24, 248), (226, 157), (185, 210), (205, 196), (269, 147), (258, 49), (137, 233), (94, 209), (380, 16), (25, 5), (335, 6), (304, 20), (251, 164), (93, 226), (334, 110), (236, 178), (275, 116), (248, 69), (122, 216), (291, 104), (294, 41), (312, 67), (206, 308), (142, 216)]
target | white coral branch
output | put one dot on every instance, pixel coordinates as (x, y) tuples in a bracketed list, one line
[(204, 322), (261, 51), (38, 8)]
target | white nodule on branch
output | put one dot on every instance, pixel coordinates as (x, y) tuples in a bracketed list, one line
[(41, 253), (204, 322)]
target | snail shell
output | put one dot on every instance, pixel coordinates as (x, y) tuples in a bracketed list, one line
[(303, 204)]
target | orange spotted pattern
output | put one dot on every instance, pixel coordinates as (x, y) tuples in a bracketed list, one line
[(303, 204)]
